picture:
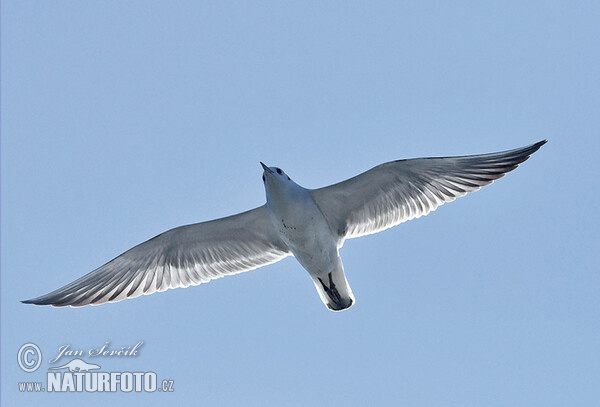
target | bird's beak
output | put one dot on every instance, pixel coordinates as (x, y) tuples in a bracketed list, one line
[(267, 169)]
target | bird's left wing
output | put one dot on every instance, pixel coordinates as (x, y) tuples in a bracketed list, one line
[(395, 192), (180, 257)]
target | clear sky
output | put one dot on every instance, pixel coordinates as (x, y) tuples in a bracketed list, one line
[(121, 120)]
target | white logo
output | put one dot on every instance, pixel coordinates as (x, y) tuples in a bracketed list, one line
[(77, 375), (29, 364)]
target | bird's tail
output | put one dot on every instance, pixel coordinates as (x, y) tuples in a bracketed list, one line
[(334, 290)]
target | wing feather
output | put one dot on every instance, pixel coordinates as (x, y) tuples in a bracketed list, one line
[(395, 192), (184, 256)]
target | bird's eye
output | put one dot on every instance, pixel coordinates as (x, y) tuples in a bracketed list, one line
[(289, 179), (263, 178), (278, 170)]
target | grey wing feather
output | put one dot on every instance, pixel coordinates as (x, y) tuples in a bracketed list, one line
[(184, 256), (398, 191)]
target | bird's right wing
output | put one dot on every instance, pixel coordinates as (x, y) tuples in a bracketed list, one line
[(180, 257), (395, 192)]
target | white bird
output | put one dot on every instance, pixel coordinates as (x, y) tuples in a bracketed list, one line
[(310, 224)]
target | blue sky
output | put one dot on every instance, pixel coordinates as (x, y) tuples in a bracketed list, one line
[(123, 119)]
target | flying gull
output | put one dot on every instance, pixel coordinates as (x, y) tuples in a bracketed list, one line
[(309, 224)]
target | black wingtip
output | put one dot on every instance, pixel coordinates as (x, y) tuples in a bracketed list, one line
[(36, 301), (535, 147)]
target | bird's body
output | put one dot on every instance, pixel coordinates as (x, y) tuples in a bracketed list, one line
[(304, 229), (310, 224)]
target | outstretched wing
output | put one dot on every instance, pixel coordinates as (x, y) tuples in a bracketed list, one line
[(180, 257), (395, 192)]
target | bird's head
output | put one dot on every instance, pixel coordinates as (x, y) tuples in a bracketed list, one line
[(275, 178)]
